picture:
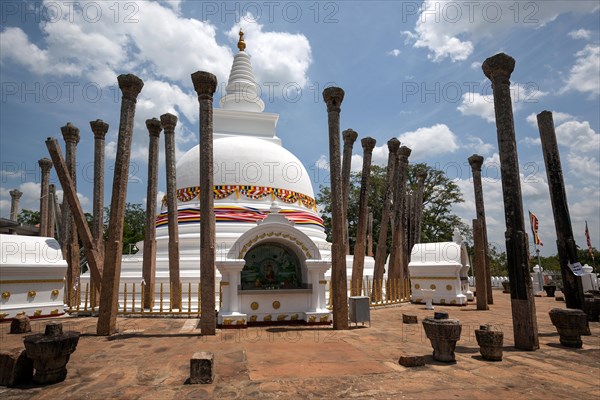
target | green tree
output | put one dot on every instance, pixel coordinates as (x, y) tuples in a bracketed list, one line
[(439, 196), (28, 217), (498, 264), (134, 226)]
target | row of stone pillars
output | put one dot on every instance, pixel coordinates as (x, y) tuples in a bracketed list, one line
[(499, 69), (105, 258), (405, 217)]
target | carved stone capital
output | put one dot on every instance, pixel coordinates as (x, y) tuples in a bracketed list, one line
[(349, 136), (498, 68), (45, 164), (393, 145), (168, 121), (99, 128), (333, 97), (154, 126), (70, 133), (475, 161), (130, 86), (205, 84), (368, 144), (15, 194), (404, 153), (421, 174)]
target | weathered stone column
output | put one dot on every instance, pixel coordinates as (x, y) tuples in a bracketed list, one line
[(149, 267), (498, 69), (381, 251), (333, 97), (349, 136), (169, 121), (130, 86), (99, 128), (358, 263), (476, 161), (395, 266), (370, 234), (480, 283), (71, 243), (15, 198), (567, 250), (205, 85), (52, 206), (45, 165)]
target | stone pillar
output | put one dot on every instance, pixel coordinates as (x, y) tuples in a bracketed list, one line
[(71, 243), (333, 97), (130, 86), (52, 207), (476, 161), (45, 165), (567, 250), (498, 69), (15, 198), (370, 234), (99, 128), (149, 267), (169, 121), (381, 252), (480, 281), (395, 265), (205, 85), (349, 136), (358, 263)]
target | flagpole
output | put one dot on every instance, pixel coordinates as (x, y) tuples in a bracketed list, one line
[(590, 248)]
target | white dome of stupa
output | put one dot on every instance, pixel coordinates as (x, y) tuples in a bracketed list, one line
[(247, 161)]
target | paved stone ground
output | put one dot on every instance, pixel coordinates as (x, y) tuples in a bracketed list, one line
[(150, 360)]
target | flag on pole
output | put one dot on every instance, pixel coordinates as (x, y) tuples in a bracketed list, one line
[(534, 229), (589, 242)]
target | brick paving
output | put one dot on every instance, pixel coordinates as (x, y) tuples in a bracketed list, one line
[(149, 359)]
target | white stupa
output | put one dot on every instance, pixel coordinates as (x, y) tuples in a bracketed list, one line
[(273, 259)]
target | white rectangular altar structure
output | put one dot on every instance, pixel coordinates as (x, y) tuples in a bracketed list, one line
[(441, 267), (32, 272)]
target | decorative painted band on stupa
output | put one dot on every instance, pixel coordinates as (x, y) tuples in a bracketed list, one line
[(220, 192), (239, 214)]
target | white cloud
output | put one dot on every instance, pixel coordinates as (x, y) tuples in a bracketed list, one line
[(394, 52), (322, 162), (483, 105), (476, 65), (279, 57), (579, 137), (586, 168), (430, 141), (585, 74), (580, 34), (557, 117), (477, 145), (478, 105), (356, 162), (99, 51), (450, 30), (530, 141)]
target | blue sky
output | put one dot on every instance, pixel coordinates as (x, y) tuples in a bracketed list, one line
[(410, 70)]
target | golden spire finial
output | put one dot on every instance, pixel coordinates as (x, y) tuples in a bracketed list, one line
[(241, 43)]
